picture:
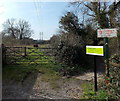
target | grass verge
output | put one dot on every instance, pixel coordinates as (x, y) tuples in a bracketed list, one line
[(89, 92)]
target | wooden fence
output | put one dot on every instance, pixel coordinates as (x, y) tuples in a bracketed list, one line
[(29, 55)]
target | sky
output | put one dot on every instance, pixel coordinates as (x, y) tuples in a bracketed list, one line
[(42, 16)]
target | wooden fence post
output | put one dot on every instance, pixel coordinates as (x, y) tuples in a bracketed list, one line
[(3, 54), (25, 51)]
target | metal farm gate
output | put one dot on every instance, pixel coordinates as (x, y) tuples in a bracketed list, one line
[(27, 55)]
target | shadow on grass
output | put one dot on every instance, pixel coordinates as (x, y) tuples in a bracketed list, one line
[(18, 81)]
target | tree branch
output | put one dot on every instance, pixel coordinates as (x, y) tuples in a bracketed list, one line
[(91, 15)]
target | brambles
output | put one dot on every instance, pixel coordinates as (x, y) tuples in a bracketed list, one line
[(113, 86)]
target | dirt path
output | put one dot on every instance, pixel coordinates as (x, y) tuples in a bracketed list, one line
[(61, 89), (33, 87), (89, 75)]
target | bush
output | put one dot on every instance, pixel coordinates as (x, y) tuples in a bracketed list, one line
[(9, 41), (113, 86), (70, 50), (71, 42)]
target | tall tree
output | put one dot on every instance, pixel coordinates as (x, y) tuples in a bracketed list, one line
[(9, 28), (24, 29), (69, 23), (17, 30), (101, 12)]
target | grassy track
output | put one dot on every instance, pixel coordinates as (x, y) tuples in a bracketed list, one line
[(49, 72), (33, 55), (46, 66)]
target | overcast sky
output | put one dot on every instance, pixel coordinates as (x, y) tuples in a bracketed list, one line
[(43, 16)]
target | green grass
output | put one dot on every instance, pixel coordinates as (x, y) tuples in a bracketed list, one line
[(34, 55), (89, 92), (52, 77), (17, 72), (44, 45), (27, 65), (48, 67)]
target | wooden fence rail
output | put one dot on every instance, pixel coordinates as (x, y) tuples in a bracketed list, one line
[(15, 55)]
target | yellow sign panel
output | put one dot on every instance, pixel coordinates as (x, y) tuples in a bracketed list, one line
[(95, 50)]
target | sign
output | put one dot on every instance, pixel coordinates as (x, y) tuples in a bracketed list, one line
[(95, 50), (101, 33)]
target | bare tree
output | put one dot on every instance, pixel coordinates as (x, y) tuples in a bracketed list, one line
[(24, 29), (17, 30), (101, 12), (10, 28)]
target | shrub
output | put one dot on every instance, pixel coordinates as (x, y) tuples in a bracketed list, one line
[(70, 50), (113, 86)]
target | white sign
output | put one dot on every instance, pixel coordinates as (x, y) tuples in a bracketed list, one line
[(107, 33), (95, 50)]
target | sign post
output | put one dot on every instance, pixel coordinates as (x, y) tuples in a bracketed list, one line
[(107, 59), (95, 75), (107, 33), (95, 50)]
